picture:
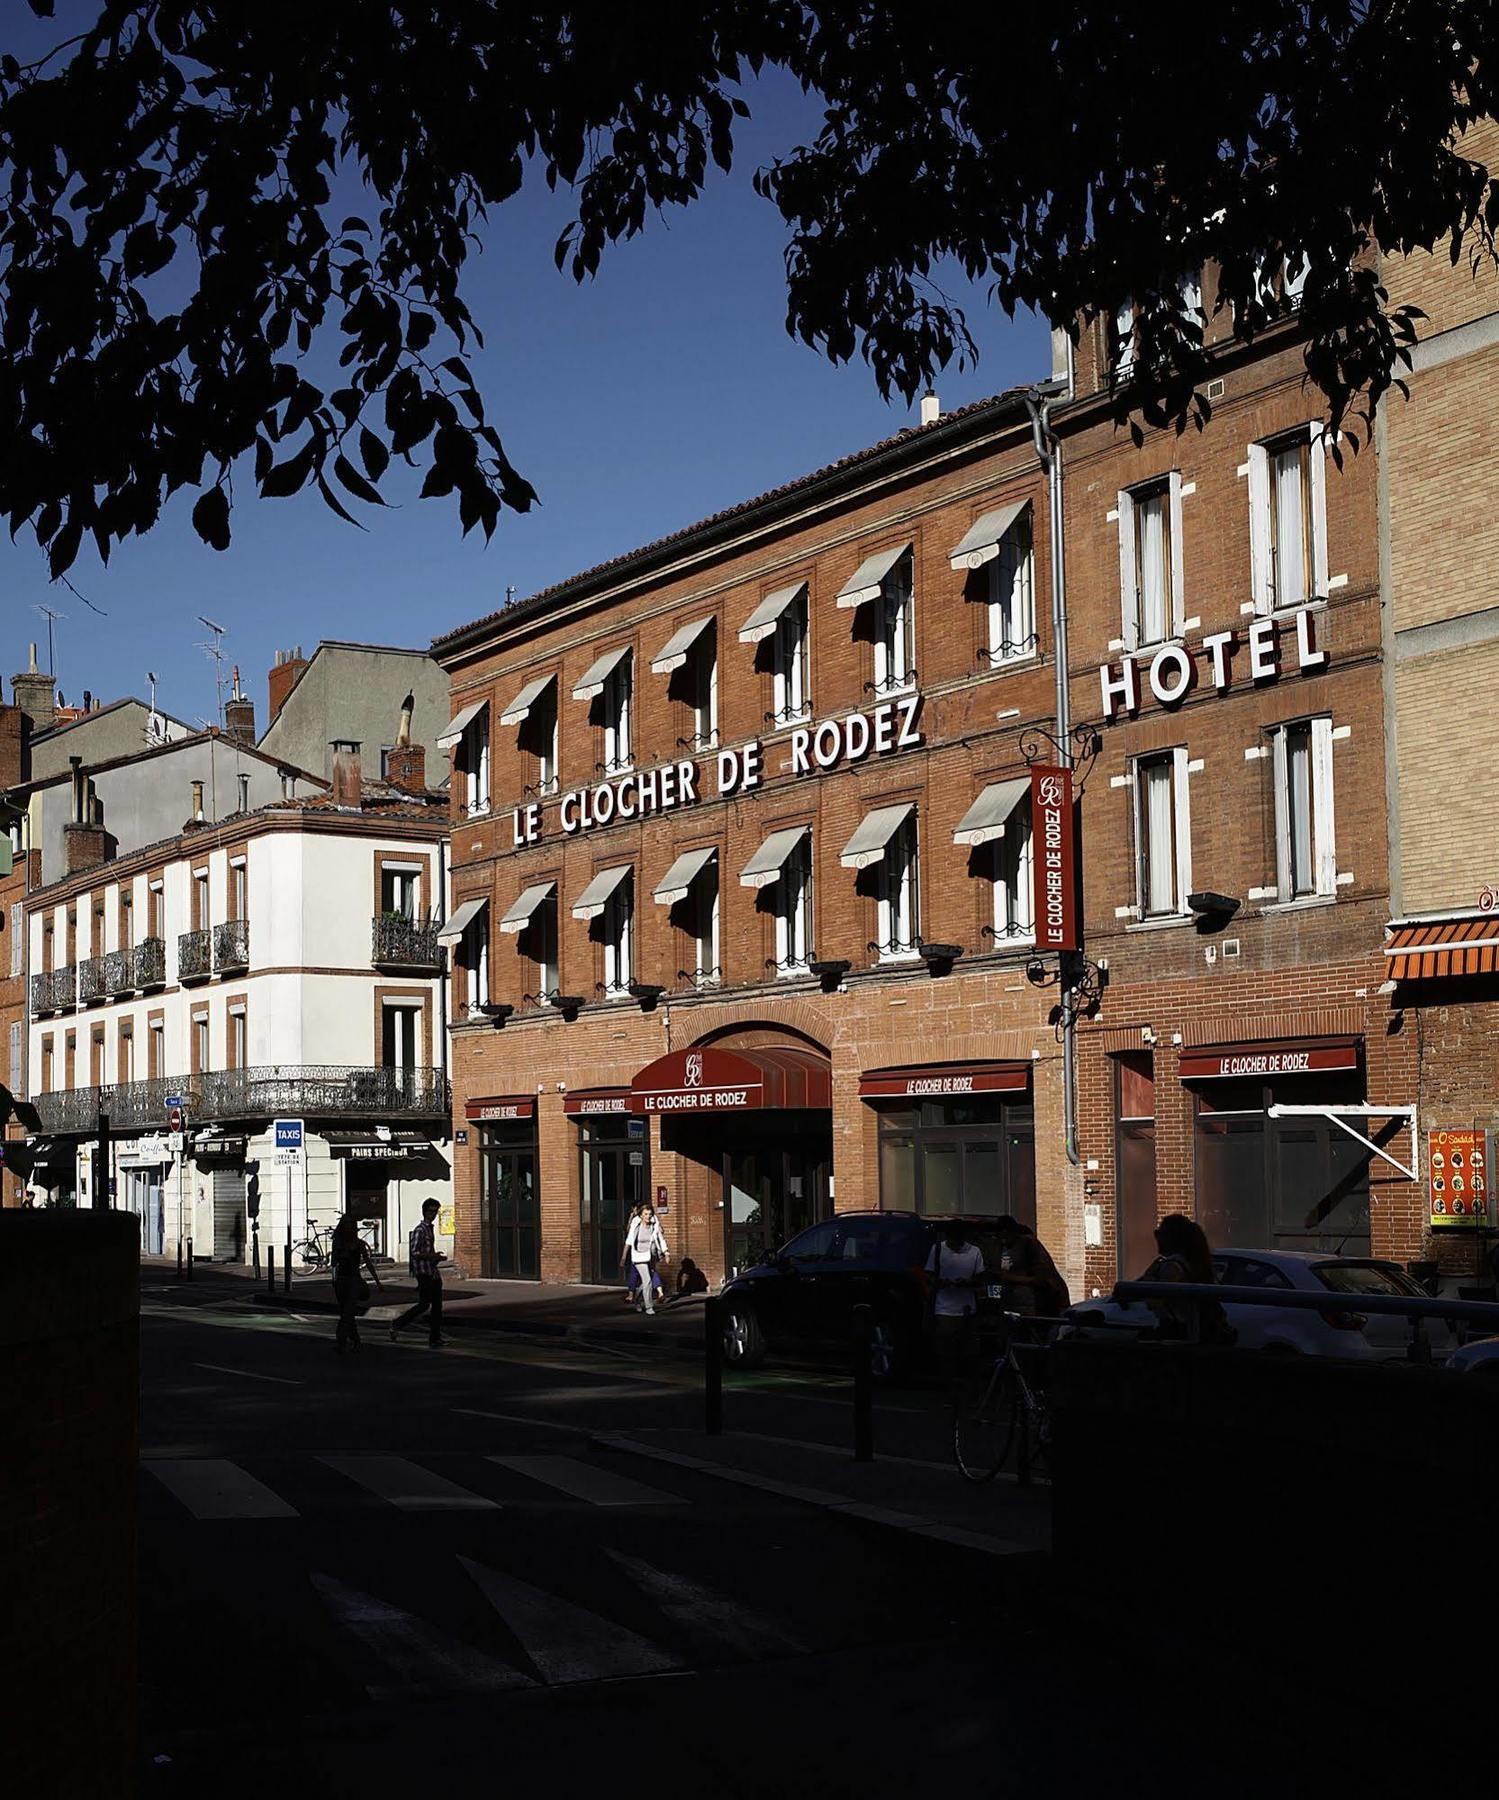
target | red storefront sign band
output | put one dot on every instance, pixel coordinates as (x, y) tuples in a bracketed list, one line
[(1054, 859)]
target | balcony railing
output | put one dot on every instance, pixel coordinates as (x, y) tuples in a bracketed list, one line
[(195, 956), (290, 1090), (54, 989), (149, 964), (119, 972), (90, 980), (402, 943), (231, 945)]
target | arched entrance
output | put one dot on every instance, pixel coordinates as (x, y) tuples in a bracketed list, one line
[(752, 1109)]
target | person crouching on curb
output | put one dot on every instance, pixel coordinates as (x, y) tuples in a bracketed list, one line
[(424, 1259), (645, 1244)]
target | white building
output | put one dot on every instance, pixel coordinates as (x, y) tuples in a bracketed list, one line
[(280, 963)]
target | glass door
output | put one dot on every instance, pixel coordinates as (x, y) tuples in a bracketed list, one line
[(771, 1192), (512, 1202), (615, 1179)]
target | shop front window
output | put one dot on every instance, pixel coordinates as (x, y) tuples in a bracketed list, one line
[(975, 1155)]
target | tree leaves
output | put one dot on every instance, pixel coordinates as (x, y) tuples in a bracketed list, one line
[(211, 518)]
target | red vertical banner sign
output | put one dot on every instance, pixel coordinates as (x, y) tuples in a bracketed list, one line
[(1053, 857)]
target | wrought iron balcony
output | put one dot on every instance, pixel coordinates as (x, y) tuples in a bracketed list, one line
[(291, 1090), (149, 960), (231, 945), (53, 990), (90, 980), (195, 956), (402, 943), (119, 972)]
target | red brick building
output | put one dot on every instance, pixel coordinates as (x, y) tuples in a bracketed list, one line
[(741, 887)]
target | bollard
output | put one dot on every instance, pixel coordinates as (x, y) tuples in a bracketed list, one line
[(189, 1259), (286, 1272), (713, 1366), (863, 1384), (270, 1270), (257, 1255), (179, 1259)]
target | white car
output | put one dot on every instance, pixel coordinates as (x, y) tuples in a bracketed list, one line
[(1479, 1356), (1298, 1330)]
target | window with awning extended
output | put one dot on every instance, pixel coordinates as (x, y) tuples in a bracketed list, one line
[(885, 845), (689, 659), (608, 687), (780, 624), (885, 582), (782, 868), (467, 737), (608, 904), (997, 831), (466, 933), (995, 552), (533, 920), (534, 712), (690, 890)]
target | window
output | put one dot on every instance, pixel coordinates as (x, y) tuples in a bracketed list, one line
[(238, 896), (155, 911), (1305, 853), (200, 1044), (1012, 601), (16, 1084), (399, 888), (793, 904), (789, 663), (1162, 840), (539, 942), (49, 1086), (617, 933), (1012, 875), (125, 1053), (699, 684), (1122, 336), (473, 959), (473, 756), (895, 630), (1134, 1163), (699, 916), (96, 1057), (49, 943), (400, 1026), (127, 919), (156, 1038), (538, 737), (70, 1060), (96, 942), (899, 928), (975, 1155), (239, 1042), (1288, 520), (201, 913), (1150, 563), (614, 714), (17, 941)]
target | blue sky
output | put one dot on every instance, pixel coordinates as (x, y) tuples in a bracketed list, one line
[(660, 392)]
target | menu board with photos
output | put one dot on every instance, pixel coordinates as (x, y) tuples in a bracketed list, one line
[(1458, 1177)]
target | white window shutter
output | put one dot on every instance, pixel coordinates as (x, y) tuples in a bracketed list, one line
[(16, 1086), (1317, 524), (1259, 527), (17, 939), (1183, 827), (1128, 580), (1324, 840), (1178, 561), (1282, 815)]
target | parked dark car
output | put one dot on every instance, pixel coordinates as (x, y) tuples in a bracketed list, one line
[(804, 1294)]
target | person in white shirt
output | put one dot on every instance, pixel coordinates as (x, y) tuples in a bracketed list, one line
[(645, 1243), (956, 1268)]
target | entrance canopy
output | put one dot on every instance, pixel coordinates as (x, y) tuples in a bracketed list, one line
[(1438, 949), (369, 1146), (764, 1077), (1237, 1062), (939, 1081), (497, 1109)]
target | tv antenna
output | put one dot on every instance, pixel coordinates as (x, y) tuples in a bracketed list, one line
[(51, 615), (215, 653)]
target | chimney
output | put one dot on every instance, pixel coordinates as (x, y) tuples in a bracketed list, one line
[(406, 765), (195, 820), (36, 695), (83, 835), (348, 783), (244, 793), (239, 715), (931, 408), (283, 677), (288, 783)]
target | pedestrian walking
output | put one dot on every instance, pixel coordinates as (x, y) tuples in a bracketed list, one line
[(645, 1244), (1031, 1279), (350, 1256), (632, 1280), (956, 1268), (424, 1259), (1185, 1255)]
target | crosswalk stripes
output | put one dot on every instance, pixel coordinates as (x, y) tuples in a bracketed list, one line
[(212, 1487), (407, 1484), (708, 1619), (566, 1642), (421, 1659), (586, 1481)]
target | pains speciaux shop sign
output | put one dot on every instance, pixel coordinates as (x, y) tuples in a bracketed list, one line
[(737, 770)]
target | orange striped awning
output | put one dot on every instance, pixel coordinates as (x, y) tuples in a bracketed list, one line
[(1443, 948)]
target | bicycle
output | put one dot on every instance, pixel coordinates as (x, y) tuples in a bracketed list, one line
[(1003, 1403), (316, 1249)]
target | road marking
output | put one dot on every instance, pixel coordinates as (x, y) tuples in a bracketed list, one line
[(250, 1374), (211, 1487), (584, 1481), (407, 1484), (709, 1618), (473, 1412), (423, 1660), (566, 1642)]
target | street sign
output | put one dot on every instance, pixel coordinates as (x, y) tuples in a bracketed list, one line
[(287, 1138), (174, 1112), (175, 1142)]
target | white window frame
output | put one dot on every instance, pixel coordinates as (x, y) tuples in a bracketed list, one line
[(1181, 833), (403, 1011), (1321, 819), (706, 912), (238, 1029), (156, 1035), (1261, 517), (615, 707), (790, 663), (476, 762), (702, 660), (1012, 595), (17, 939), (895, 629), (542, 934), (402, 878), (1123, 346), (475, 957), (548, 758), (1131, 597), (1011, 875), (899, 893), (617, 934), (794, 911), (17, 1051)]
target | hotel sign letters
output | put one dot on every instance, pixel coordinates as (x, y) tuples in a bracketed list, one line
[(1053, 859), (644, 792), (1171, 671)]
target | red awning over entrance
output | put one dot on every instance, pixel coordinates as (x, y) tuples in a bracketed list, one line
[(749, 1079), (494, 1109), (1443, 948), (598, 1102), (938, 1081), (1228, 1062)]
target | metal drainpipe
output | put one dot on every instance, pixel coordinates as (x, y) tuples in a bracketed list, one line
[(1049, 455), (442, 984)]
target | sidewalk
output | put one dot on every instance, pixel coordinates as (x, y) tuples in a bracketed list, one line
[(926, 1499)]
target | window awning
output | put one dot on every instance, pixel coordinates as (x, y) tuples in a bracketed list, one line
[(678, 647), (495, 1109), (595, 897), (764, 867), (370, 1146), (459, 920), (519, 708), (597, 1103), (520, 913), (767, 615), (868, 843), (210, 1146), (1263, 1061), (765, 1076), (592, 684), (987, 818), (870, 575), (1439, 949), (936, 1081), (681, 875), (459, 723), (980, 543)]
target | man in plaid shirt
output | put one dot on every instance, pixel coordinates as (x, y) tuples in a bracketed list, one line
[(424, 1258)]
